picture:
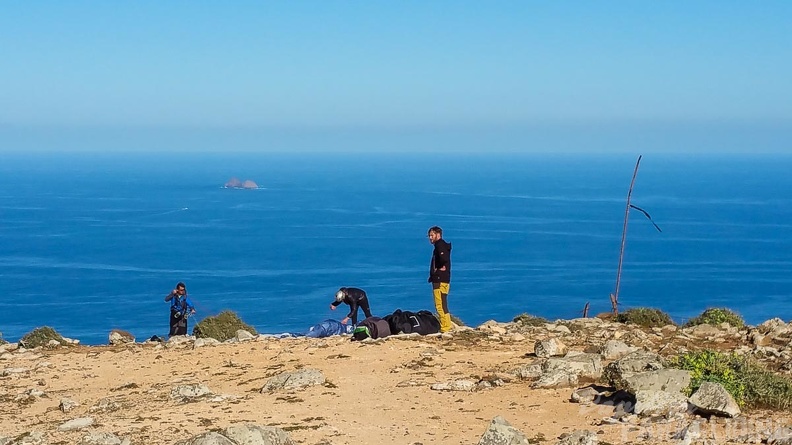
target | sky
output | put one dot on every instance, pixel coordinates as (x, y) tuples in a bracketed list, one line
[(396, 76)]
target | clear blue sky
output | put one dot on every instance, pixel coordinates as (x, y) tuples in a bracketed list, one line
[(525, 76)]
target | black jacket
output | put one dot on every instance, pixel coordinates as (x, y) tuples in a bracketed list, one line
[(440, 257), (353, 297)]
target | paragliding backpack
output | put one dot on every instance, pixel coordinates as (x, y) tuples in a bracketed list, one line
[(372, 327), (422, 322)]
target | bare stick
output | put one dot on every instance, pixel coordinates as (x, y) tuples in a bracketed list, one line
[(615, 295)]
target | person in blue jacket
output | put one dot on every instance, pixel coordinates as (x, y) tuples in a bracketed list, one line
[(181, 308)]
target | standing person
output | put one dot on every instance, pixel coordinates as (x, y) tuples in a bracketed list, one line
[(440, 275), (181, 308), (355, 298)]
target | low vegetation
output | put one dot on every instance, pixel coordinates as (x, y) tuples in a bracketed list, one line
[(645, 317), (40, 337), (716, 316), (530, 320), (222, 326), (454, 319), (748, 382)]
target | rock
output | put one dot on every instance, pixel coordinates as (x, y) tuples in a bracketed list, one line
[(119, 337), (32, 438), (584, 396), (638, 361), (650, 403), (567, 371), (201, 342), (242, 435), (76, 424), (704, 331), (100, 438), (615, 349), (233, 183), (579, 437), (531, 371), (780, 436), (517, 337), (257, 435), (549, 348), (190, 392), (671, 380), (210, 438), (690, 433), (759, 339), (243, 335), (500, 432), (248, 184), (67, 405), (179, 340), (294, 380), (712, 398), (11, 371), (106, 405), (454, 385)]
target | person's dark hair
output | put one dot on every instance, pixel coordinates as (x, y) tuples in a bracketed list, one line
[(180, 285), (436, 229)]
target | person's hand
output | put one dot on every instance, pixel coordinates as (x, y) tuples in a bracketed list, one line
[(192, 311), (332, 308), (345, 320), (442, 268)]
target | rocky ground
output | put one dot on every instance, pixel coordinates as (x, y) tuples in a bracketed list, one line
[(443, 389)]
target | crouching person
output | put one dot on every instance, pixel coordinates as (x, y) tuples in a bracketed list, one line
[(355, 298)]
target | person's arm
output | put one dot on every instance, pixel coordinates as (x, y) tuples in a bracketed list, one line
[(353, 310), (170, 296), (189, 304), (441, 259)]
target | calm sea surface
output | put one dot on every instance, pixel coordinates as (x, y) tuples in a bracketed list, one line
[(94, 242)]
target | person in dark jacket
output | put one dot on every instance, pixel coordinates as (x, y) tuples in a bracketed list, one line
[(181, 308), (355, 298), (440, 275)]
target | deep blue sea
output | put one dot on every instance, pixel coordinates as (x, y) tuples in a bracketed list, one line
[(91, 242)]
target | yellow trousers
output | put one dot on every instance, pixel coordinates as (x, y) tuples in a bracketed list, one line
[(440, 291)]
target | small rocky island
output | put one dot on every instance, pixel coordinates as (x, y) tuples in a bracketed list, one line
[(235, 183)]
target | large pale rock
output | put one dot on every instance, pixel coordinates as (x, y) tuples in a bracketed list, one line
[(32, 438), (651, 403), (500, 432), (190, 392), (454, 385), (579, 437), (704, 331), (549, 348), (201, 342), (101, 438), (780, 436), (531, 371), (638, 361), (672, 380), (300, 379), (119, 337), (257, 435), (569, 371), (76, 424), (615, 349), (242, 435), (713, 398), (243, 335)]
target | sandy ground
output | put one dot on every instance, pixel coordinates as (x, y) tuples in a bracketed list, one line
[(376, 393)]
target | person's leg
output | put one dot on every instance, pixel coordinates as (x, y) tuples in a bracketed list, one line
[(174, 324), (364, 304), (440, 291)]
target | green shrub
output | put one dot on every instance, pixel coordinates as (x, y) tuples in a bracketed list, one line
[(646, 317), (748, 382), (530, 320), (716, 316), (222, 326), (40, 337), (456, 320)]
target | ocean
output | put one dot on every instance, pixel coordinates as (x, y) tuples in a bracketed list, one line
[(92, 242)]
